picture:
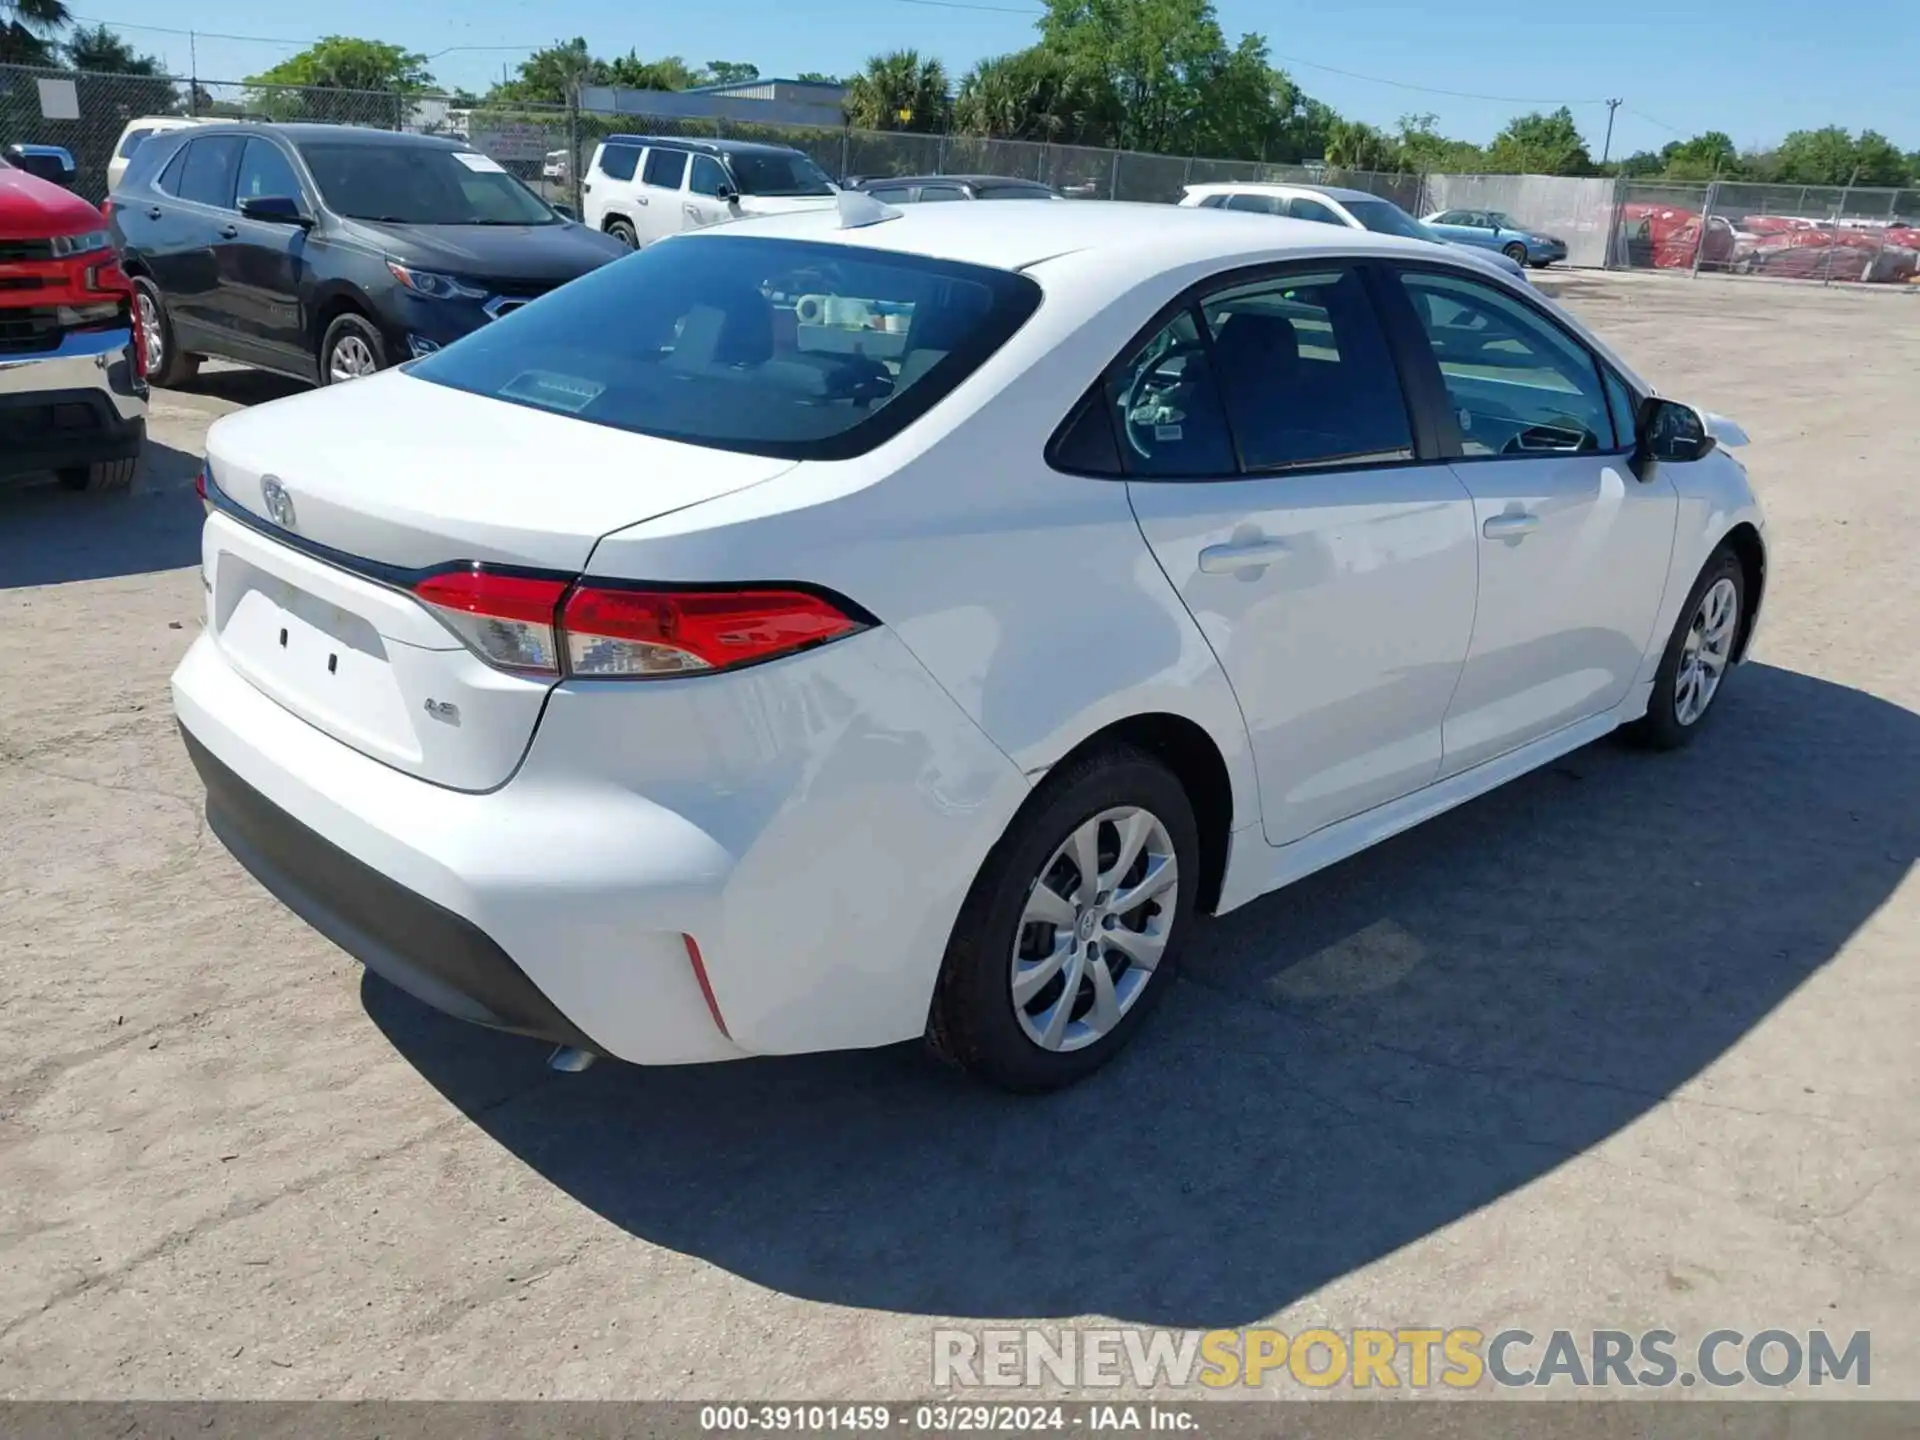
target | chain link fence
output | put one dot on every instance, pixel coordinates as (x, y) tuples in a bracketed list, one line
[(1835, 235)]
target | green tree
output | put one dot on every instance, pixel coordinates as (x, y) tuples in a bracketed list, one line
[(1424, 148), (547, 76), (341, 62), (1035, 94), (669, 72), (1816, 157), (817, 77), (27, 28), (899, 91), (729, 72), (1707, 156), (1156, 54), (104, 53), (1356, 145), (1639, 165), (1539, 144), (1880, 161)]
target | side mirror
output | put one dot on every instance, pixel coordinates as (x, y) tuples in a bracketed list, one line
[(565, 212), (45, 162), (274, 210), (1674, 432), (727, 195)]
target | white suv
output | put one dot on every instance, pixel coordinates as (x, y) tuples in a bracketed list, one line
[(1330, 205), (642, 188)]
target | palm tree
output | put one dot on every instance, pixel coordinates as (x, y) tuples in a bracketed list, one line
[(1035, 95), (27, 28), (899, 91)]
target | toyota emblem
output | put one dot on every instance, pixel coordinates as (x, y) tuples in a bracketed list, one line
[(279, 503)]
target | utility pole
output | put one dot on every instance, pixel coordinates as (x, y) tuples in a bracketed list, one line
[(193, 73), (1606, 150)]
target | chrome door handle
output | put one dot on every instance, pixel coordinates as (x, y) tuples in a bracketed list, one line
[(640, 199), (1241, 555), (1510, 527)]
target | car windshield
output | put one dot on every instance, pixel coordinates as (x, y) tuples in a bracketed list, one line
[(420, 185), (1383, 217), (773, 347), (776, 172)]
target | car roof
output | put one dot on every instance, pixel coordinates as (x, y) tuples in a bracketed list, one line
[(1287, 187), (1016, 181), (703, 147), (1151, 237), (338, 134)]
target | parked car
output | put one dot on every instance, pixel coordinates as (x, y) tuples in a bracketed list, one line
[(327, 252), (1326, 205), (642, 188), (721, 682), (914, 189), (556, 167), (1496, 230), (73, 399), (134, 133)]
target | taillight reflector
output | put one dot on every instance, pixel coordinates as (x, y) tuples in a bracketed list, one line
[(506, 619), (199, 480), (640, 634)]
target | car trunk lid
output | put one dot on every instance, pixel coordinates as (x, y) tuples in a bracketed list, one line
[(330, 507)]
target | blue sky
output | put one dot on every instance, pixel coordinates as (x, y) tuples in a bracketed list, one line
[(1756, 70)]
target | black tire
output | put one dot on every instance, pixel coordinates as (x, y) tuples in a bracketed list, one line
[(174, 366), (973, 1022), (1517, 253), (345, 329), (100, 475), (622, 231), (1661, 728)]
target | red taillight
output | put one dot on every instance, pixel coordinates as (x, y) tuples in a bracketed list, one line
[(535, 624), (642, 634), (508, 620), (706, 987), (199, 479)]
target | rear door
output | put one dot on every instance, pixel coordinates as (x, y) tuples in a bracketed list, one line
[(609, 182), (1574, 546), (661, 205), (1329, 560)]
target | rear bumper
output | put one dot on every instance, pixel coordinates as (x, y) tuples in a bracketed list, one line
[(81, 402), (425, 949)]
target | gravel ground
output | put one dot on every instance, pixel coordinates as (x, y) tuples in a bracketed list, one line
[(1628, 1044)]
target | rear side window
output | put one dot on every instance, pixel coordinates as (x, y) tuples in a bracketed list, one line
[(211, 166), (1259, 204), (941, 192), (1214, 202), (665, 169), (772, 347), (1166, 401), (1306, 375), (132, 142), (617, 162)]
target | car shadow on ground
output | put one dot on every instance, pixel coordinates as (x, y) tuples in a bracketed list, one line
[(1347, 1066), (49, 536), (240, 386)]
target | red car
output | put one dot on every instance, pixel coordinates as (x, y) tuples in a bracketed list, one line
[(73, 388)]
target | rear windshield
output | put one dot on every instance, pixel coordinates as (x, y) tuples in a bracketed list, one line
[(774, 172), (773, 347), (419, 185)]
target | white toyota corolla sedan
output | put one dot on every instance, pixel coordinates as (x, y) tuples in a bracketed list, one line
[(846, 627)]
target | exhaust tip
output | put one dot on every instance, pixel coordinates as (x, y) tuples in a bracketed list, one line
[(571, 1059)]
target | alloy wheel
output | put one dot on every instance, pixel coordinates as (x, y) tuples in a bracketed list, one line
[(153, 346), (1095, 925), (352, 359), (1707, 651)]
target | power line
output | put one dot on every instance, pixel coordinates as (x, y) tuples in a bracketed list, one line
[(1675, 129), (1429, 89), (269, 39)]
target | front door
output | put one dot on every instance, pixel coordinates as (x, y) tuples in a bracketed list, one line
[(1573, 545), (1273, 471), (262, 263), (706, 182)]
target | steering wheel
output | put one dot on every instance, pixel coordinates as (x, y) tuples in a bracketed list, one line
[(1150, 373)]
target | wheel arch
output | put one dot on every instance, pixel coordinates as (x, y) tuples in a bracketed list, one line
[(330, 305), (1745, 542), (1185, 748)]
